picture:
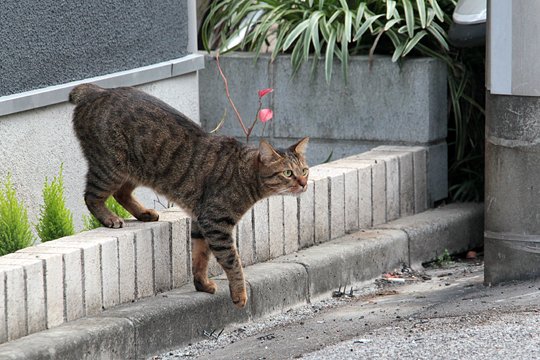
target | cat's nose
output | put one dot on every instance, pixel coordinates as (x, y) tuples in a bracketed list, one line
[(302, 181)]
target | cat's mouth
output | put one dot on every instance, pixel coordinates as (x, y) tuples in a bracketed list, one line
[(295, 191), (298, 189)]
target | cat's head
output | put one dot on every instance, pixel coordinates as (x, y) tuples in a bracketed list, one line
[(284, 171)]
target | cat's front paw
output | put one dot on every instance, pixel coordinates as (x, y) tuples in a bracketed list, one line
[(239, 297), (114, 222)]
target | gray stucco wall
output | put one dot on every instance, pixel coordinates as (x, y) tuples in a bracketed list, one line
[(49, 42), (34, 143)]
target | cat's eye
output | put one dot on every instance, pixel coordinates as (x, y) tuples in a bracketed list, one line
[(305, 172), (287, 173)]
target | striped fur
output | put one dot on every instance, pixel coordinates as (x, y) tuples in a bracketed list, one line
[(130, 139)]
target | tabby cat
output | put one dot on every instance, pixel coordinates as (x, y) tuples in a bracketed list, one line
[(130, 138)]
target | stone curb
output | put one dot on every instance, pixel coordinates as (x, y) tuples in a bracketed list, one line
[(153, 325)]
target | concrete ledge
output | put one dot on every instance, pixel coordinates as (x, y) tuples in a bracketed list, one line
[(353, 258), (456, 228), (157, 324), (90, 338), (178, 316), (59, 93)]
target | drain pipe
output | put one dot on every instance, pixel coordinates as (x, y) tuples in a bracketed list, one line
[(512, 197)]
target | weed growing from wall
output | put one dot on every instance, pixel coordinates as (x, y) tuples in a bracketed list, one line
[(15, 230), (55, 219), (90, 222)]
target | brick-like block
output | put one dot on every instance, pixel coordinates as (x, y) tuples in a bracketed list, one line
[(322, 212), (392, 187), (336, 196), (34, 280), (72, 277), (180, 245), (420, 180), (144, 271), (261, 231), (15, 301), (109, 258), (181, 250), (126, 266), (161, 233), (351, 192), (337, 206), (275, 224), (378, 190), (290, 224), (405, 176), (419, 176), (110, 277), (351, 201), (365, 197), (306, 217), (245, 239), (54, 292), (391, 163), (357, 201), (378, 185), (406, 184), (91, 265)]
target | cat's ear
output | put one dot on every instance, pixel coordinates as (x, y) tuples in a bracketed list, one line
[(267, 154), (300, 147)]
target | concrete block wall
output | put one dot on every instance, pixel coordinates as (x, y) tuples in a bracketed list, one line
[(382, 103), (48, 284)]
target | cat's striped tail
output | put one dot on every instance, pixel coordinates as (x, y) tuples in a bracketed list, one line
[(81, 92)]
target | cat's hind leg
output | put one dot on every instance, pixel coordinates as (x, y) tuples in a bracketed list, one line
[(200, 257), (124, 196), (98, 188)]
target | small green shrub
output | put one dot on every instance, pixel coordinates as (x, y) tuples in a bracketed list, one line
[(55, 219), (444, 258), (90, 221), (15, 230)]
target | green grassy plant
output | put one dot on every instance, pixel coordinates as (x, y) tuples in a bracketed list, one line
[(90, 221), (329, 28), (15, 229), (55, 219)]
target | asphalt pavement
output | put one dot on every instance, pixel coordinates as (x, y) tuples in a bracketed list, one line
[(442, 312)]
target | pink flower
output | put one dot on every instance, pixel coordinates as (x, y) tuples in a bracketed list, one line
[(265, 115), (264, 92)]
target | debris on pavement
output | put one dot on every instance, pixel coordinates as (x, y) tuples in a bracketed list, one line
[(402, 276), (339, 293), (212, 334)]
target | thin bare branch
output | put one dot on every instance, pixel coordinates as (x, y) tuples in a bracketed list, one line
[(246, 132)]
